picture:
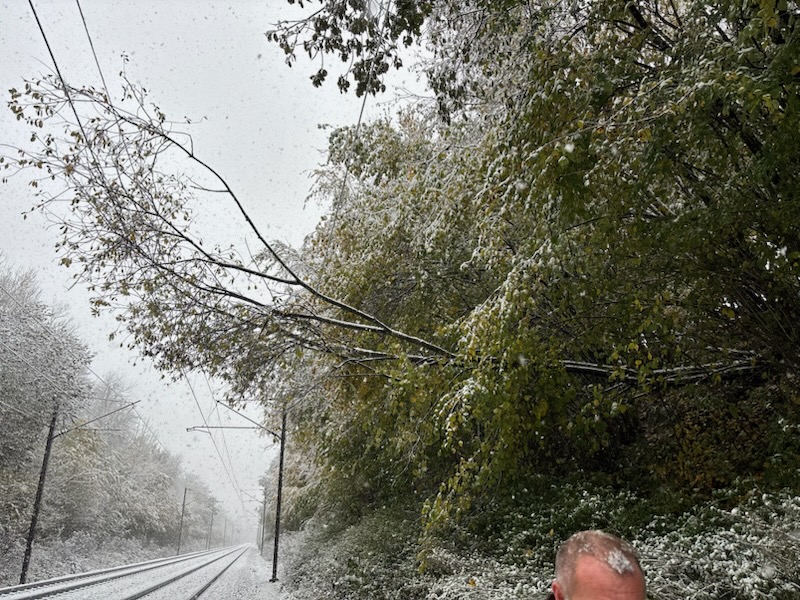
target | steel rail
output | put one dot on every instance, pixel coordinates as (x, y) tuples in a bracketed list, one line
[(71, 583), (211, 582), (139, 567), (163, 584)]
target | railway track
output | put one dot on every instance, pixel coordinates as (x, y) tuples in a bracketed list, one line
[(185, 577)]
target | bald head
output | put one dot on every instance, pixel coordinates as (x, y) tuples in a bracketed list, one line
[(599, 566)]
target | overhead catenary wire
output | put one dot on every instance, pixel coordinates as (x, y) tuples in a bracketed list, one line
[(221, 427), (215, 409), (97, 418), (232, 473), (235, 485), (256, 425), (56, 337), (62, 80), (83, 132), (89, 149), (58, 388), (108, 99), (91, 45), (16, 410), (217, 403), (105, 87)]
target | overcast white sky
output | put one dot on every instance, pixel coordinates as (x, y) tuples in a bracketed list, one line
[(257, 124)]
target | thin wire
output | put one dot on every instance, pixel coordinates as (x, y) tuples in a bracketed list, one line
[(91, 45), (215, 409), (89, 369), (57, 387), (91, 152), (225, 445), (108, 95), (61, 78), (216, 448), (149, 429), (22, 359), (224, 439), (96, 419), (85, 137), (16, 410), (244, 416)]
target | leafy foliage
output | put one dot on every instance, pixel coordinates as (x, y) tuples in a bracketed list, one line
[(582, 258), (364, 34), (705, 551), (602, 233), (374, 559)]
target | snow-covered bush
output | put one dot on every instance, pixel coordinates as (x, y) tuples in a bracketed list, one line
[(709, 551), (374, 559), (749, 551), (78, 553)]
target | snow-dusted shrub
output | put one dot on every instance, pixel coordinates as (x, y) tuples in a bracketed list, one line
[(374, 559), (11, 550), (479, 576), (750, 551), (712, 550), (78, 553)]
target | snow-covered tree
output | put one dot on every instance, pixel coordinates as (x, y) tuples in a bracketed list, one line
[(582, 256), (42, 373), (107, 476), (607, 213)]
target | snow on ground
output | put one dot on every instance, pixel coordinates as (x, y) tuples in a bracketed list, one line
[(247, 579)]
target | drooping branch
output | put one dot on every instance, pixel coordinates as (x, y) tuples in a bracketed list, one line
[(128, 214), (294, 278)]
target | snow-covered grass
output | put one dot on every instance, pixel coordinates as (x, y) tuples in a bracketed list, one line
[(78, 553), (716, 549)]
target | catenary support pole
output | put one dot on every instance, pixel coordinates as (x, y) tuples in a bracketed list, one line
[(263, 524), (210, 529), (38, 501), (278, 503), (180, 527)]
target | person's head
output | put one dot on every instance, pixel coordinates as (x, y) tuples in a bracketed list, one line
[(594, 565)]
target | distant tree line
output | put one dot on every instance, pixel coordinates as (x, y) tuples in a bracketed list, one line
[(107, 478)]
